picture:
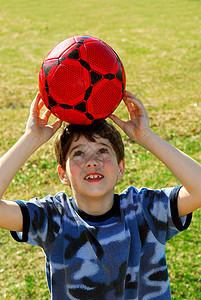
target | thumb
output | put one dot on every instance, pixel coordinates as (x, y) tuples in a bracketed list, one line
[(56, 125), (117, 121)]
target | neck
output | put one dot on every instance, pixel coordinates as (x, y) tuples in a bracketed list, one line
[(95, 206)]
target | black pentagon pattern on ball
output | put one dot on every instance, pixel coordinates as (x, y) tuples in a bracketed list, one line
[(74, 54), (56, 63), (95, 77), (47, 70), (85, 64), (88, 93), (80, 43), (119, 75), (123, 87), (62, 59), (109, 76), (65, 106), (89, 116), (52, 102), (46, 87), (81, 106)]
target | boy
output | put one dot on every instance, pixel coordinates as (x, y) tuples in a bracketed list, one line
[(99, 245)]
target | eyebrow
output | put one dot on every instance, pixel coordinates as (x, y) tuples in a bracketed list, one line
[(106, 145), (81, 145), (74, 148)]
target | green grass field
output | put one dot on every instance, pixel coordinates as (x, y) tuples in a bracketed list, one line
[(159, 43)]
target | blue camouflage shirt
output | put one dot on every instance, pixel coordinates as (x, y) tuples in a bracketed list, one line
[(118, 255)]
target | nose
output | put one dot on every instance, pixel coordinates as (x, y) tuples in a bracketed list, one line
[(92, 161)]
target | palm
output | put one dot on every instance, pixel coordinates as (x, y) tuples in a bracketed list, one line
[(138, 125), (39, 125)]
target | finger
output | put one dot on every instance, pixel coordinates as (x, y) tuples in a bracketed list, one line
[(127, 93), (56, 125), (130, 106), (46, 115), (132, 111), (34, 111), (34, 104), (117, 121), (135, 101), (130, 97), (40, 104)]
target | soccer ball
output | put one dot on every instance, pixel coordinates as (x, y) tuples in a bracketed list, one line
[(82, 80)]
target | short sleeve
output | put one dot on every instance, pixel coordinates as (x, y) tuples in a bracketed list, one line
[(180, 223), (22, 236), (41, 221), (161, 213)]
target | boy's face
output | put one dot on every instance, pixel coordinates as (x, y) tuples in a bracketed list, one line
[(92, 169)]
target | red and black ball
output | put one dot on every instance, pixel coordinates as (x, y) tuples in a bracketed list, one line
[(82, 80)]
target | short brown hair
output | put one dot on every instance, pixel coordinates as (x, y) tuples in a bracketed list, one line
[(90, 132)]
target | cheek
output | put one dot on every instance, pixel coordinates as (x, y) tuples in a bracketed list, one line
[(111, 166), (73, 168)]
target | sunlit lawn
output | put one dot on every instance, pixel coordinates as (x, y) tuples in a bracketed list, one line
[(160, 46)]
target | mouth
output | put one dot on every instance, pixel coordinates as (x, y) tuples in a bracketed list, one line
[(93, 177)]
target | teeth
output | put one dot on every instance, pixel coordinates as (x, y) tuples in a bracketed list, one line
[(94, 176)]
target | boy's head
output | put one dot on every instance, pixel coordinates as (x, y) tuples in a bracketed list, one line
[(73, 132)]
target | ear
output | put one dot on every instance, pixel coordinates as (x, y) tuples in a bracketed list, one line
[(121, 169), (63, 176)]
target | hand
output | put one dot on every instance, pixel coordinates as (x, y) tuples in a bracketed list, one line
[(38, 126), (137, 127)]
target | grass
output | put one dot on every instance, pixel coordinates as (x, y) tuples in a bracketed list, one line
[(160, 46)]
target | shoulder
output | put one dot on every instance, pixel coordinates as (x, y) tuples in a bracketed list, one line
[(147, 203), (134, 195), (46, 208), (42, 218), (48, 202), (156, 209)]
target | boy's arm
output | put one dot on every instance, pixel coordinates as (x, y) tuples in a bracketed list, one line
[(185, 169), (37, 133)]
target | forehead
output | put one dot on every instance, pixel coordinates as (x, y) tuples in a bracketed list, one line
[(82, 142)]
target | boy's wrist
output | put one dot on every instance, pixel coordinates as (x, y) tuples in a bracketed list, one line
[(32, 141), (146, 140)]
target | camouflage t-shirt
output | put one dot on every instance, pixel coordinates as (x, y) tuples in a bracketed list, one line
[(118, 255)]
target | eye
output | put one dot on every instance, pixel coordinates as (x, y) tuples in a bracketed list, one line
[(103, 151), (78, 153)]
